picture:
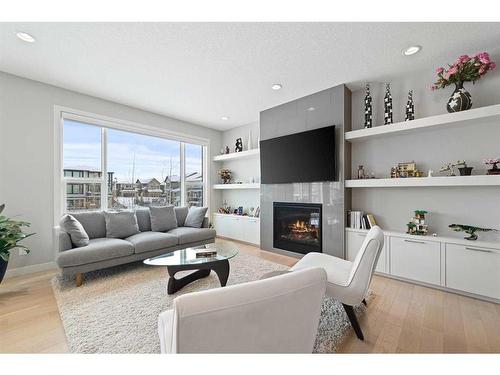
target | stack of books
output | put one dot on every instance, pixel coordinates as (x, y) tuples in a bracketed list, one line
[(360, 220), (206, 253)]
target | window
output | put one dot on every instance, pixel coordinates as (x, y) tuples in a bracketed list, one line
[(106, 168), (146, 170), (194, 175)]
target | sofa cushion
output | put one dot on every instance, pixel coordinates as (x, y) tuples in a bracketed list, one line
[(93, 222), (195, 217), (162, 218), (180, 214), (75, 230), (149, 241), (187, 235), (121, 224), (97, 250), (143, 219)]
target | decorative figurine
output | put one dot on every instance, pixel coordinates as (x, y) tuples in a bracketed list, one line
[(407, 169), (494, 169), (368, 108), (410, 107), (430, 173), (449, 167), (387, 105), (227, 149), (225, 176), (239, 145), (361, 172), (470, 230), (417, 224)]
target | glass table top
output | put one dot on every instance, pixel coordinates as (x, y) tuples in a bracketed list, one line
[(188, 255)]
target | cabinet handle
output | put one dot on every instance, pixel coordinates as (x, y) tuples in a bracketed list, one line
[(481, 250), (361, 235), (413, 241)]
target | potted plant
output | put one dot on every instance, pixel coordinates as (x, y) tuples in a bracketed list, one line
[(11, 234), (494, 170), (464, 69)]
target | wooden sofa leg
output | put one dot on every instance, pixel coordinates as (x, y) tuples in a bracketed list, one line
[(79, 279)]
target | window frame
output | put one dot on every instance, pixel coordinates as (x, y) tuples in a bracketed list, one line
[(64, 113)]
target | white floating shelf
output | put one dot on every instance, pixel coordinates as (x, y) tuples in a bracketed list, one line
[(237, 155), (236, 186), (472, 116), (425, 181)]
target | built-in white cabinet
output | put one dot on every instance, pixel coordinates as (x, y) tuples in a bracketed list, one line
[(473, 269), (354, 240), (416, 259), (241, 228)]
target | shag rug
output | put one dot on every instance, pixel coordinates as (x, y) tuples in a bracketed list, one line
[(116, 310)]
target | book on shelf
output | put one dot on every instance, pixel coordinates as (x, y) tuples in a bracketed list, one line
[(206, 253), (360, 220)]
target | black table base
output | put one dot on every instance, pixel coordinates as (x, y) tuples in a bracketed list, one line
[(220, 267)]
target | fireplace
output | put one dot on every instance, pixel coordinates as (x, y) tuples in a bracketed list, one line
[(297, 227)]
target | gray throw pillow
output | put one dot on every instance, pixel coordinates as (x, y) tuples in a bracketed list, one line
[(121, 224), (75, 230), (162, 218), (181, 213), (195, 217)]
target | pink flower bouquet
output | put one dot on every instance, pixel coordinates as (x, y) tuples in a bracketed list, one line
[(464, 69)]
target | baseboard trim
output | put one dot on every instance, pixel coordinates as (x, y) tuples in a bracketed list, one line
[(20, 271), (235, 240), (440, 287)]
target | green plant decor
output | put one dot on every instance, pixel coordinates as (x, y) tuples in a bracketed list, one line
[(11, 234)]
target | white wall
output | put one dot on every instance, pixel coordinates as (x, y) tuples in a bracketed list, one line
[(244, 169), (393, 207), (26, 152)]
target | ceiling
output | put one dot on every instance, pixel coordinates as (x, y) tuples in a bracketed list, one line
[(200, 72)]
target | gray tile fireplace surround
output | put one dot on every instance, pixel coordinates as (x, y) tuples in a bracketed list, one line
[(329, 194), (330, 107)]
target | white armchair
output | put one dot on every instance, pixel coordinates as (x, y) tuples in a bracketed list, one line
[(348, 282), (275, 315)]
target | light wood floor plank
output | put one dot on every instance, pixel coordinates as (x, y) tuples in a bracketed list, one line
[(400, 317)]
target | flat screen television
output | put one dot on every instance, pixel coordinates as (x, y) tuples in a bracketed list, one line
[(302, 157)]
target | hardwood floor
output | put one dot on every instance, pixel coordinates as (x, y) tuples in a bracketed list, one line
[(400, 318)]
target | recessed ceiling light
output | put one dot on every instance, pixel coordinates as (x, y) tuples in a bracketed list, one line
[(277, 86), (225, 118), (310, 109), (411, 50), (25, 37)]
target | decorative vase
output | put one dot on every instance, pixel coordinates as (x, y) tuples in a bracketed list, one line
[(460, 100), (368, 107), (3, 268), (465, 171), (249, 146), (494, 170)]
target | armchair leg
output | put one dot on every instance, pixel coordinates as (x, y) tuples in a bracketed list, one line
[(354, 321), (79, 279)]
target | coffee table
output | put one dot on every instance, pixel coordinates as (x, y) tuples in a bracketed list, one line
[(186, 260)]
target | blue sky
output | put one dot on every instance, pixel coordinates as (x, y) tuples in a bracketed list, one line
[(154, 157)]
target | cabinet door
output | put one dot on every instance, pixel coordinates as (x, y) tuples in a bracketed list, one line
[(220, 225), (416, 259), (253, 231), (354, 240), (473, 269)]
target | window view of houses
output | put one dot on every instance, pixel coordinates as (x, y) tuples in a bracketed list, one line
[(142, 170)]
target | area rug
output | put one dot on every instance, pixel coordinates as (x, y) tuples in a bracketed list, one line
[(116, 310)]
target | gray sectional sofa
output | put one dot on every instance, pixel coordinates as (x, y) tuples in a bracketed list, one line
[(102, 252)]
